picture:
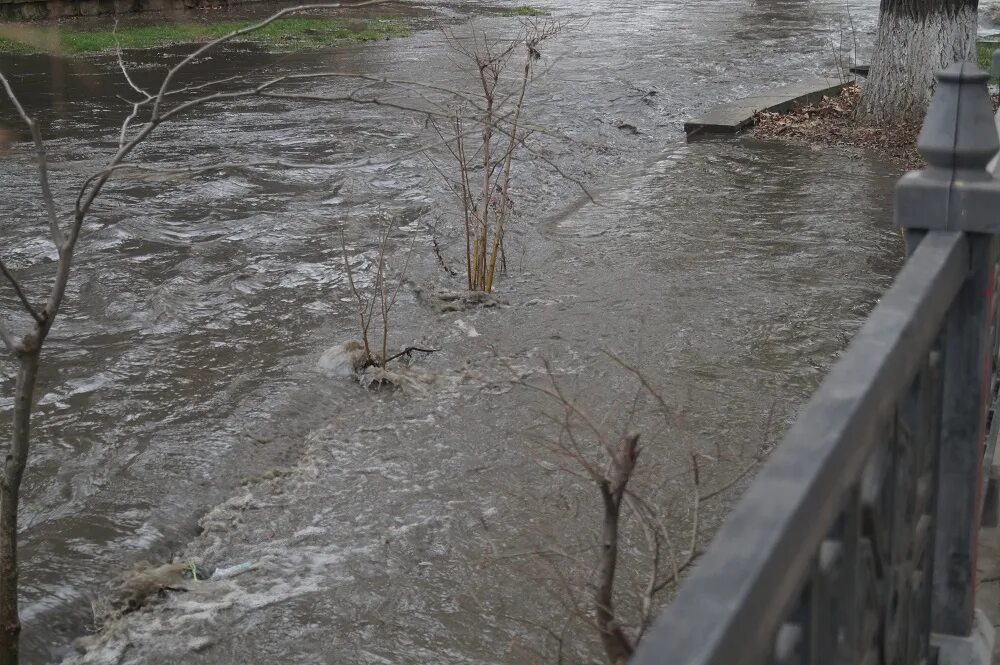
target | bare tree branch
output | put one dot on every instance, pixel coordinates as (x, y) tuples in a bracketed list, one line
[(20, 293), (121, 62), (695, 506), (558, 169), (644, 381), (621, 618), (7, 338), (43, 169), (364, 317), (217, 166), (381, 292), (732, 483), (653, 542), (157, 118), (96, 182)]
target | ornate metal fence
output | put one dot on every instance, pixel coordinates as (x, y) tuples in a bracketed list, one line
[(857, 541)]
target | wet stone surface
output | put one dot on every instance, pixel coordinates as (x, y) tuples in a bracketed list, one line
[(183, 412)]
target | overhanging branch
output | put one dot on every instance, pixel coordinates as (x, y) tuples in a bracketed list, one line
[(20, 293)]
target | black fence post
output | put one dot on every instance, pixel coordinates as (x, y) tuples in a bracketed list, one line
[(956, 192)]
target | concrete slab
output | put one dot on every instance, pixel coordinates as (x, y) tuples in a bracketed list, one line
[(736, 116), (976, 649)]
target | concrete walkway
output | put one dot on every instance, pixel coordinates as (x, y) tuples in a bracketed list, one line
[(733, 117)]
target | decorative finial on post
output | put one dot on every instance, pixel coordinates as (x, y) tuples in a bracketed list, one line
[(958, 139)]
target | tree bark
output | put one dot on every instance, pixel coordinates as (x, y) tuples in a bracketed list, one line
[(915, 39), (10, 488), (617, 646)]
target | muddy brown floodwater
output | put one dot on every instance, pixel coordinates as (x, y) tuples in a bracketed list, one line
[(184, 365)]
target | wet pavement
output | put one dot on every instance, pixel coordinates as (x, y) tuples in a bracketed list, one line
[(182, 373)]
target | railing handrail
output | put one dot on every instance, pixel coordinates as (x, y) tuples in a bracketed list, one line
[(856, 542), (735, 600)]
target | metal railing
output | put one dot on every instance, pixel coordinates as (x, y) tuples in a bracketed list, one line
[(856, 543)]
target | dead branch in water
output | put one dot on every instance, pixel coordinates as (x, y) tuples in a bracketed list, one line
[(410, 350), (594, 451)]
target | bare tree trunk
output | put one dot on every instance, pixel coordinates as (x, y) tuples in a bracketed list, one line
[(617, 646), (10, 485), (915, 39)]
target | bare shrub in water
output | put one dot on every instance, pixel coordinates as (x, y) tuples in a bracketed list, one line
[(382, 296), (612, 585), (489, 130), (377, 300)]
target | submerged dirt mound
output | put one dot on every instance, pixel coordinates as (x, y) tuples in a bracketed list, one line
[(832, 122), (135, 588), (447, 300)]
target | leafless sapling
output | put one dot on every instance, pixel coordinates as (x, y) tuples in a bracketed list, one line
[(608, 457), (486, 130)]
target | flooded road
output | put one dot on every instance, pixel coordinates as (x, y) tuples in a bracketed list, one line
[(184, 361)]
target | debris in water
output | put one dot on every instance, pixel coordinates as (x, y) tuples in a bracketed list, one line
[(466, 328), (233, 571), (199, 644), (626, 127), (345, 359), (196, 572), (408, 379)]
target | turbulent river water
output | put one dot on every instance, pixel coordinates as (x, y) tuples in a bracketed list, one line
[(184, 359)]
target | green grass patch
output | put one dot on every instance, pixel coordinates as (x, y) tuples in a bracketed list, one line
[(283, 34), (984, 51), (525, 10)]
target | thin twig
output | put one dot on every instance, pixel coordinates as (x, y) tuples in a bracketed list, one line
[(380, 290), (7, 338), (20, 293), (732, 483), (121, 62), (409, 350), (364, 319)]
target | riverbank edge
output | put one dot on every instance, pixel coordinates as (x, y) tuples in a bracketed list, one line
[(299, 31), (295, 33)]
